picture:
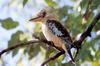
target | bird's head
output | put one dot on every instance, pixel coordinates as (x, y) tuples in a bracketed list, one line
[(45, 14)]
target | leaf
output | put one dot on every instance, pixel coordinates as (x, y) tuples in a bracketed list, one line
[(32, 50), (97, 27), (95, 4), (24, 2), (15, 38), (63, 12), (72, 22), (98, 54), (95, 63), (9, 24), (51, 3), (83, 4)]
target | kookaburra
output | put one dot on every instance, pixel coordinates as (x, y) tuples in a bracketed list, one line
[(53, 30)]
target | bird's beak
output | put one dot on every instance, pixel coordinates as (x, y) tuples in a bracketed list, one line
[(36, 19), (39, 17)]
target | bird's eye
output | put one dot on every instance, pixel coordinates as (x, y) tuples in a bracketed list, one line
[(44, 14)]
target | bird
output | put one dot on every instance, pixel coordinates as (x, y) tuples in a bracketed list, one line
[(53, 30)]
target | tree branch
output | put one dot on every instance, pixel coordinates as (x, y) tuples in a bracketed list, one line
[(53, 58), (28, 43), (87, 32)]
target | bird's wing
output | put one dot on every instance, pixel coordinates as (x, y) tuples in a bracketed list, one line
[(58, 29)]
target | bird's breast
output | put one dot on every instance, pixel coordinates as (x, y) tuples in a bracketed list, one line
[(51, 37)]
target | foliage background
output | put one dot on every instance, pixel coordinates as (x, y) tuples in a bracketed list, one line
[(15, 27)]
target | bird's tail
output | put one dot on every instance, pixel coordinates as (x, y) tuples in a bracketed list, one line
[(69, 56), (68, 53)]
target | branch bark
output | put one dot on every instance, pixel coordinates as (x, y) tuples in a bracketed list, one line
[(28, 43), (87, 32)]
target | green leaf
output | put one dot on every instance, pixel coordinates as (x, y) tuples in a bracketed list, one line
[(95, 63), (63, 12), (24, 2), (83, 4), (95, 4), (9, 24), (32, 50), (15, 38), (72, 22), (51, 3), (98, 54)]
